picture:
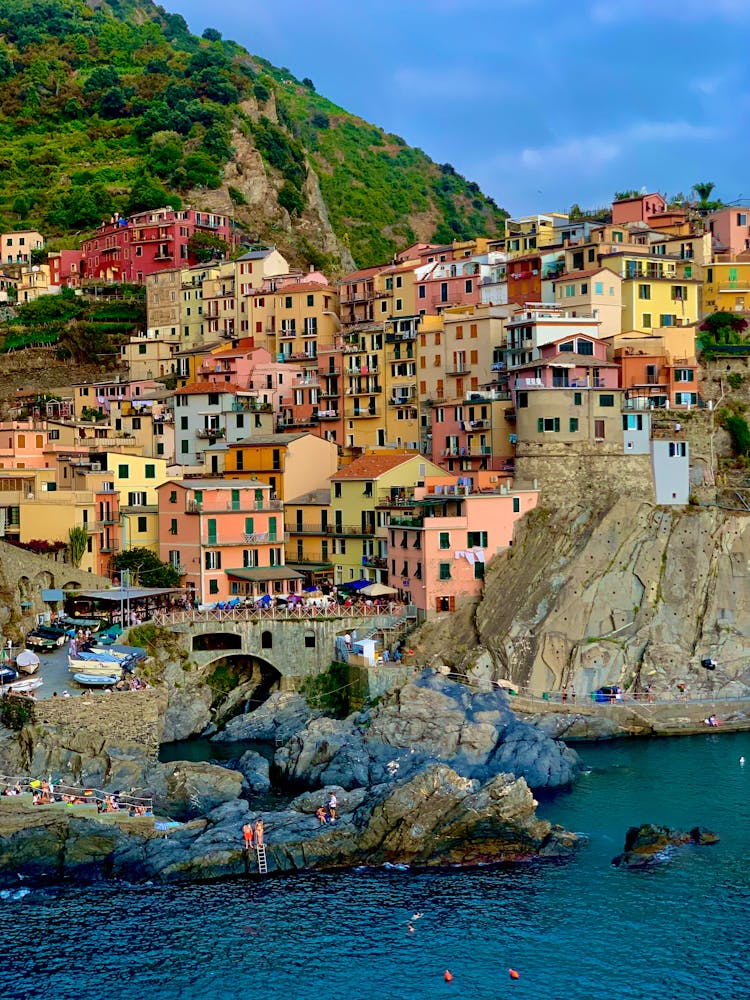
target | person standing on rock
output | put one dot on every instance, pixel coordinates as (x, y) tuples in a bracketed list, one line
[(332, 805), (247, 833), (259, 832)]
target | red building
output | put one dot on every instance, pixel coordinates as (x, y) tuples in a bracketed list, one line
[(130, 249), (65, 268)]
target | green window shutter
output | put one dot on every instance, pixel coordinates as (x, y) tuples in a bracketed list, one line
[(198, 496), (445, 540), (557, 424), (213, 586), (516, 505), (173, 526), (235, 499), (249, 529), (272, 528), (540, 425), (573, 425), (211, 531), (577, 398), (150, 472), (484, 539), (123, 471)]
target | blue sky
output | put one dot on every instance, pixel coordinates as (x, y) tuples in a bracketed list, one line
[(542, 103)]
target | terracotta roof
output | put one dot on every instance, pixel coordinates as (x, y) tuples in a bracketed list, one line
[(372, 466), (575, 275), (305, 286), (200, 388), (365, 272)]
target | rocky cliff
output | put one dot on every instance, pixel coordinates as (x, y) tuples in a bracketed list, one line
[(626, 593)]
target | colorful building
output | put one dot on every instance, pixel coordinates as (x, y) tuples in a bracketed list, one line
[(726, 287), (637, 208), (289, 464), (156, 240), (362, 497), (308, 549), (17, 247), (596, 293), (446, 533), (730, 231), (226, 539)]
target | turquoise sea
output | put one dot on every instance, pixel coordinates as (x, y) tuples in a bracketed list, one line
[(574, 930)]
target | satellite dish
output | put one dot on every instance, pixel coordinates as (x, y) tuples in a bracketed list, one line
[(35, 268)]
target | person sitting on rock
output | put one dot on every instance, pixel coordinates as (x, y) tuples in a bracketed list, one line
[(322, 816)]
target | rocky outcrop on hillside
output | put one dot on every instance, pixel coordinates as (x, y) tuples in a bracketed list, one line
[(627, 593)]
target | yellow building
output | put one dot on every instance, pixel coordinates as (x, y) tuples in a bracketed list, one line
[(291, 464), (726, 288), (135, 479), (306, 525), (148, 421), (361, 496), (655, 292), (533, 231)]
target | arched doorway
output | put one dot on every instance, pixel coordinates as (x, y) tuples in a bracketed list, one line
[(239, 683)]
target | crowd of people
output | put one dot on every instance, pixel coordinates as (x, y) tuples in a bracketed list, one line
[(44, 792)]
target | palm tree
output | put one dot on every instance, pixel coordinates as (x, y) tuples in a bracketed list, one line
[(703, 189)]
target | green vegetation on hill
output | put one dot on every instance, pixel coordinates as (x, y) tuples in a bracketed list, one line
[(120, 107)]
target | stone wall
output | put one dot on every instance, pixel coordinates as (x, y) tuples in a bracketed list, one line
[(122, 717), (570, 473), (23, 576)]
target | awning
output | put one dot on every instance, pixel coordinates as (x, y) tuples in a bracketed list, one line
[(261, 573), (116, 594), (53, 595), (355, 584)]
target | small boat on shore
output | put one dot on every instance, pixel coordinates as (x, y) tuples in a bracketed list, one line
[(25, 686), (27, 662), (7, 675), (95, 680), (94, 666)]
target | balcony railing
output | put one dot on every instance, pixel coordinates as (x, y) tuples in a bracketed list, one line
[(330, 372), (351, 529), (179, 568), (372, 391), (266, 537), (362, 414), (375, 562), (399, 498), (457, 369), (197, 507), (400, 521), (307, 529), (210, 432), (328, 414)]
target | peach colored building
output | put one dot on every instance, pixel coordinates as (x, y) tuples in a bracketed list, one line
[(226, 538), (730, 231), (440, 543)]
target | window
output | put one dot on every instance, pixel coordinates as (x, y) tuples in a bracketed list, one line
[(666, 320), (607, 399), (337, 491), (679, 293), (516, 505), (677, 449), (644, 291), (569, 345), (288, 302), (570, 291), (473, 333), (741, 219), (184, 447), (150, 472), (240, 420), (592, 256), (585, 347), (584, 288), (545, 425), (123, 471), (445, 540), (476, 539), (213, 586), (173, 496), (142, 348), (142, 525), (647, 321), (479, 570), (683, 375), (173, 526), (686, 398), (212, 531), (421, 292), (709, 275), (444, 571), (469, 285), (183, 423), (213, 399), (311, 300), (213, 560), (523, 400), (598, 288), (599, 430), (573, 425)]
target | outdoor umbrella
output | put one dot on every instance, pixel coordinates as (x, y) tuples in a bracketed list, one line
[(377, 590)]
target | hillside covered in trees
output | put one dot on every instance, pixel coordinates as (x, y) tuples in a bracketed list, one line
[(118, 107)]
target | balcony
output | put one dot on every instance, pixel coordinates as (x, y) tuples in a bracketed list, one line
[(401, 521), (286, 334), (329, 395), (457, 370), (330, 372), (179, 568), (409, 401), (372, 391), (308, 529), (308, 558), (298, 421), (479, 425), (375, 562), (248, 506), (210, 432), (363, 415), (351, 529), (266, 538), (328, 415), (146, 508), (399, 498), (109, 545)]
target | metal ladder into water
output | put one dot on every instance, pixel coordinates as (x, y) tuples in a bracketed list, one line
[(260, 850)]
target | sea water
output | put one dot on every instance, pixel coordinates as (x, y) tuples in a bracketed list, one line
[(577, 929)]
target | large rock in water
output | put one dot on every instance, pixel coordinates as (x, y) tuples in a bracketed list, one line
[(278, 718), (430, 719), (648, 843)]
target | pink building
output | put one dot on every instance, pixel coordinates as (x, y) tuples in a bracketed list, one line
[(463, 431), (572, 362), (639, 208), (147, 242), (730, 230), (24, 445), (65, 268), (226, 538), (448, 283), (439, 548)]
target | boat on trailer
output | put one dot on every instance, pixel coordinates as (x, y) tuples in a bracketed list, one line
[(95, 680)]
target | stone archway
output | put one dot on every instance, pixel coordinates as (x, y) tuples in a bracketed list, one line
[(44, 580), (239, 683), (210, 641)]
